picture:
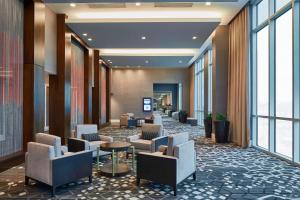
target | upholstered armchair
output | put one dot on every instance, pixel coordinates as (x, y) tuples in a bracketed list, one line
[(150, 139), (81, 142), (157, 119), (176, 163), (124, 119), (44, 162)]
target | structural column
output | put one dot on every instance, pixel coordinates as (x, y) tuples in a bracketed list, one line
[(96, 90), (34, 61), (88, 65), (60, 84)]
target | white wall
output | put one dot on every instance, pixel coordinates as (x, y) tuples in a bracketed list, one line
[(129, 86)]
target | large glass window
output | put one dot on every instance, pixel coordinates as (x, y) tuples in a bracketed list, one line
[(275, 119), (281, 3), (199, 91), (284, 83), (262, 11), (284, 66), (210, 65), (263, 72)]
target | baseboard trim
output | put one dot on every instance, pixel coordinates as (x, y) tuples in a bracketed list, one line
[(11, 160)]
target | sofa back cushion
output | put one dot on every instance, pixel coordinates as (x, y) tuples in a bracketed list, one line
[(174, 140), (85, 129), (91, 137), (51, 140)]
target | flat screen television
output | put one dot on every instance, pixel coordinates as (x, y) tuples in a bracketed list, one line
[(147, 104)]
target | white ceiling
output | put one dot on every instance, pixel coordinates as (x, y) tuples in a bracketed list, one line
[(115, 27)]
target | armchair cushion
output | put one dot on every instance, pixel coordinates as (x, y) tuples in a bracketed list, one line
[(90, 137), (149, 135), (133, 138), (175, 140), (142, 144), (51, 140)]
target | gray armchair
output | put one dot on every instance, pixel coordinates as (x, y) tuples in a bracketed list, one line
[(79, 144), (150, 144), (45, 163), (172, 167)]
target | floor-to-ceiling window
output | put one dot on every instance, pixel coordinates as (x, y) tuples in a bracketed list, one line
[(275, 89), (209, 78), (199, 90)]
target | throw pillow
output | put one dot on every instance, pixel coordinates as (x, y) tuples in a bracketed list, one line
[(149, 135), (91, 137)]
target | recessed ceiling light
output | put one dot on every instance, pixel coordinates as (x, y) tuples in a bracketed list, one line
[(143, 37), (137, 3), (194, 37), (208, 3), (147, 61), (84, 34), (180, 61), (73, 5), (90, 39)]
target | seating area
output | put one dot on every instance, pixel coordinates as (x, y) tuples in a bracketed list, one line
[(150, 99)]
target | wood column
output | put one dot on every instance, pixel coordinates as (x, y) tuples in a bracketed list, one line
[(88, 65), (60, 84), (34, 61), (108, 89), (96, 90)]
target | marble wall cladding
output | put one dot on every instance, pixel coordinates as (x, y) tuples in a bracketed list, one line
[(103, 94), (11, 76), (77, 85)]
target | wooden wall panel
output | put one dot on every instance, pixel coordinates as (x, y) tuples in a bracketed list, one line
[(60, 84), (96, 90), (33, 82), (88, 65)]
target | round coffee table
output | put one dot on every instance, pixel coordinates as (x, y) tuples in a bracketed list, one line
[(115, 168)]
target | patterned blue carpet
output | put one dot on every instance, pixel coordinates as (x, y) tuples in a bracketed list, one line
[(223, 172)]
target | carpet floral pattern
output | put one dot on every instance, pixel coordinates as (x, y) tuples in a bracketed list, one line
[(223, 172)]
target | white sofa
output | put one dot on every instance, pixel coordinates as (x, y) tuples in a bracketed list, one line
[(79, 144), (45, 162)]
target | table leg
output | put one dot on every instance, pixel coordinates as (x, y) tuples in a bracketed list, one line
[(133, 158), (113, 163), (98, 149)]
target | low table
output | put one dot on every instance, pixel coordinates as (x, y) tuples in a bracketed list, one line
[(116, 168)]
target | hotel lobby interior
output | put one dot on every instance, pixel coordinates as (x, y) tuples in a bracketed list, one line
[(150, 99)]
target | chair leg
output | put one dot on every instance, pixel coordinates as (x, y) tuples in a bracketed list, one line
[(53, 191), (26, 180), (194, 176), (175, 190), (90, 178), (127, 155), (138, 180)]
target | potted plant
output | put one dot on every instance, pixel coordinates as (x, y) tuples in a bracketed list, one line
[(221, 128), (183, 116), (208, 125)]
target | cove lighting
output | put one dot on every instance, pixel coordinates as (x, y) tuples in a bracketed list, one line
[(208, 3), (73, 5)]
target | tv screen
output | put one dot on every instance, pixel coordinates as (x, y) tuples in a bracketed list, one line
[(147, 104)]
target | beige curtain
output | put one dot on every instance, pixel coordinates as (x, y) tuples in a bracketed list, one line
[(238, 79)]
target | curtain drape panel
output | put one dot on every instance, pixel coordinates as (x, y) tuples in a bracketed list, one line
[(238, 79)]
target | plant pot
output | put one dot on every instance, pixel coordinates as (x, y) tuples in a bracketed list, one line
[(208, 127), (183, 118), (221, 131)]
